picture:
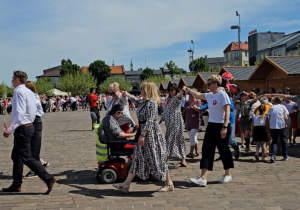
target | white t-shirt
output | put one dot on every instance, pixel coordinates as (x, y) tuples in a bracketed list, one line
[(257, 121), (290, 106), (216, 103), (276, 114)]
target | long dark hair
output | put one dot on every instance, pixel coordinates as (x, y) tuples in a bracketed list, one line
[(172, 87)]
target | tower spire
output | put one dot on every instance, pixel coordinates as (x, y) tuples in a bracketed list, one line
[(131, 65)]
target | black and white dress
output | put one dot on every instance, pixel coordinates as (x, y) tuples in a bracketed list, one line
[(151, 157), (174, 128)]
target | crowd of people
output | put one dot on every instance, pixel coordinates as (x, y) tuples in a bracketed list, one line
[(269, 118)]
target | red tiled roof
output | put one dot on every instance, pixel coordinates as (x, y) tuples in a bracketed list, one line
[(234, 46), (117, 69), (85, 69)]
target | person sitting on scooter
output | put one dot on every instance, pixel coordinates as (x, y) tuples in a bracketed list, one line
[(112, 129)]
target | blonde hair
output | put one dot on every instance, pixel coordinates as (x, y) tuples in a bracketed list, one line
[(151, 91), (30, 86), (215, 79), (261, 110), (115, 86), (252, 95)]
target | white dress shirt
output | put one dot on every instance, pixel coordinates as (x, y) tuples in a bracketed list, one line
[(39, 111), (23, 107)]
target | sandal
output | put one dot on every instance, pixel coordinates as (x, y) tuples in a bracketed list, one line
[(180, 165), (124, 189), (166, 188), (190, 155)]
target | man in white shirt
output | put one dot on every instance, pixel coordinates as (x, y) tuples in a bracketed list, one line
[(278, 116), (24, 111), (73, 103)]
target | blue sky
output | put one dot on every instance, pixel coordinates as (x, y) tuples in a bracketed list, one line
[(36, 35)]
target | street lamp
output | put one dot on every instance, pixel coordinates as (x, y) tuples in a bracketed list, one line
[(191, 51), (239, 34)]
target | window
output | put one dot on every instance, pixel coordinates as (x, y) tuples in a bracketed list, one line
[(246, 53), (236, 55), (277, 52)]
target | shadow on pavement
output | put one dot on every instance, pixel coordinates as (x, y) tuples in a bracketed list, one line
[(109, 192), (5, 176), (78, 130)]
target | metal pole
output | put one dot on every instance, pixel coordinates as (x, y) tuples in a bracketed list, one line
[(240, 53), (193, 56)]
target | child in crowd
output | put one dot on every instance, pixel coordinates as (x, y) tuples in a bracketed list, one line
[(258, 131)]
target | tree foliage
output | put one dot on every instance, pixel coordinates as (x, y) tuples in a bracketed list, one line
[(67, 67), (43, 85), (147, 73), (200, 65), (5, 90), (124, 85), (157, 79), (78, 84), (100, 71), (173, 68)]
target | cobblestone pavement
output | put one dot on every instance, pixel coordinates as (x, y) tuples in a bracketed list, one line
[(69, 146)]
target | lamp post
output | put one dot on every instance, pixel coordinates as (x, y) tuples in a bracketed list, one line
[(239, 34), (191, 51)]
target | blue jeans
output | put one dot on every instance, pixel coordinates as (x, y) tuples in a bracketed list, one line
[(232, 141), (275, 133)]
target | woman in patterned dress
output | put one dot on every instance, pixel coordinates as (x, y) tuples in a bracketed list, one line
[(118, 98), (149, 157), (174, 125)]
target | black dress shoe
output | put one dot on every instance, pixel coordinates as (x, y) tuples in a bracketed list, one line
[(11, 188), (50, 185)]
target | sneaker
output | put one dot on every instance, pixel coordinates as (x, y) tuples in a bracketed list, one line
[(219, 158), (289, 145), (294, 144), (272, 159), (226, 178), (46, 164), (264, 158), (243, 146), (237, 154), (256, 158), (199, 181), (286, 158), (30, 174), (247, 151)]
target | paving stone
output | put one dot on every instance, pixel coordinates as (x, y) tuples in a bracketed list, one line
[(69, 145)]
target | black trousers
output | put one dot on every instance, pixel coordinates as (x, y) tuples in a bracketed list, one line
[(21, 154), (65, 106), (96, 111), (212, 139), (36, 140), (74, 106)]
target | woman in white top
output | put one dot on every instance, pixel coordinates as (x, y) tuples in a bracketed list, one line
[(217, 132), (118, 98), (259, 132), (36, 141)]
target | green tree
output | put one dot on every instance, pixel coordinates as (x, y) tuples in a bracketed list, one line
[(200, 65), (173, 68), (124, 85), (5, 90), (147, 72), (78, 83), (67, 67), (44, 85), (298, 47), (100, 71), (157, 79)]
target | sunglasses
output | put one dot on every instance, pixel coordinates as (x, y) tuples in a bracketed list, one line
[(112, 93)]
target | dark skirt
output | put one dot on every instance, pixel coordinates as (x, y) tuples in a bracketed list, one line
[(245, 124), (260, 134)]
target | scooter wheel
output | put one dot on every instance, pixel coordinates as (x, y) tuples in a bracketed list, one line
[(108, 176)]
